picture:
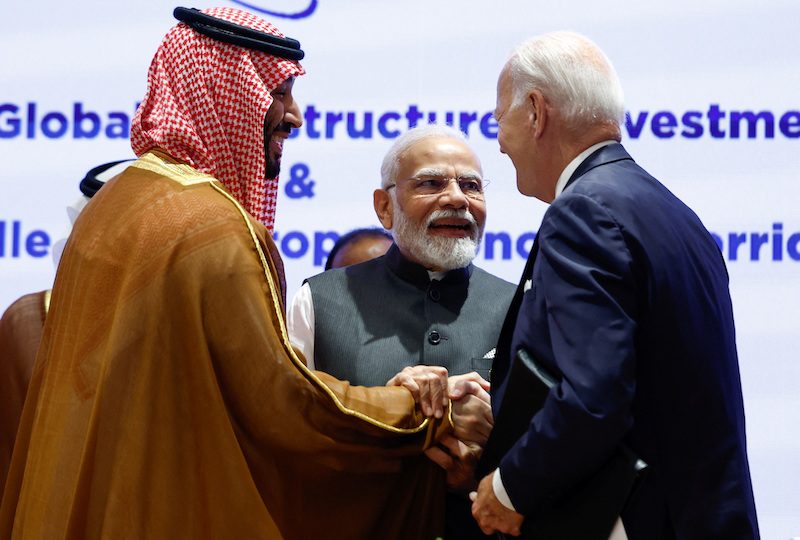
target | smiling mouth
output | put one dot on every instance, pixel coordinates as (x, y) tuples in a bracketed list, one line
[(454, 227), (464, 227)]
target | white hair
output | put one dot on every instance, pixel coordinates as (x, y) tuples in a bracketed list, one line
[(409, 138), (573, 74)]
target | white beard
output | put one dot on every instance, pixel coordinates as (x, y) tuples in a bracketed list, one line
[(436, 251)]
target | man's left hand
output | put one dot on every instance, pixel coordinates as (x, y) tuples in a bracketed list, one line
[(491, 515), (472, 419)]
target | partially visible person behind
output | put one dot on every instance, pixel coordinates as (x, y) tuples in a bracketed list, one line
[(20, 335), (421, 304), (625, 300), (21, 330), (358, 246), (166, 399)]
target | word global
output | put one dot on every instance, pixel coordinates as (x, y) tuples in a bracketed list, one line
[(81, 124)]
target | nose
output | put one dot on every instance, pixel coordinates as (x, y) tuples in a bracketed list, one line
[(452, 196), (292, 115)]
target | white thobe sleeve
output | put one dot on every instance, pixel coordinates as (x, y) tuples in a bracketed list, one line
[(300, 323)]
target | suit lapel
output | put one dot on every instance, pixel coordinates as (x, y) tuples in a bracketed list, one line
[(502, 356)]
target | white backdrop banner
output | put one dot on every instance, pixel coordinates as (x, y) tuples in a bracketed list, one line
[(713, 112)]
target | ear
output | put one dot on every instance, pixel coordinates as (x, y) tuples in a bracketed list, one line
[(384, 208), (538, 111)]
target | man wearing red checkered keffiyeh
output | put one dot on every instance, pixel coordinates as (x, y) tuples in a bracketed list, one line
[(206, 103), (166, 399)]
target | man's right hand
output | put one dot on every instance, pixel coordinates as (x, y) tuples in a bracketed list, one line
[(490, 513), (472, 413), (428, 385)]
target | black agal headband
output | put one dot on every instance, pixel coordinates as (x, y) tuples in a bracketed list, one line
[(91, 183), (236, 34)]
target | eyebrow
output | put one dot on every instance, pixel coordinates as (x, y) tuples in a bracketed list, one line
[(470, 175), (430, 172)]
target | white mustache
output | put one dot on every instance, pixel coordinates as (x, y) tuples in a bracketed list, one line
[(452, 213)]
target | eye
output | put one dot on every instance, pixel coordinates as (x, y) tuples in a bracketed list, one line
[(470, 185), (429, 183)]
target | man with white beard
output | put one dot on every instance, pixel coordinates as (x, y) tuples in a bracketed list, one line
[(423, 303)]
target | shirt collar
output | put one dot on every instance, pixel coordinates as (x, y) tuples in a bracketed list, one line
[(573, 165)]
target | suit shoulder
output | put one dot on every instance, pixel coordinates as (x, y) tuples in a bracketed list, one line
[(621, 182)]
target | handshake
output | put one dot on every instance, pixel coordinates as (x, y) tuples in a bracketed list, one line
[(433, 390)]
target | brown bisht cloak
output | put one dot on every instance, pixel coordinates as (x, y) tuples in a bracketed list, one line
[(167, 402)]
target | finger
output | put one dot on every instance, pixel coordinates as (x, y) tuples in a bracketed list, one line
[(438, 386), (487, 529), (440, 457), (427, 389), (474, 376), (425, 396), (512, 528), (473, 495), (411, 385), (477, 390), (466, 387)]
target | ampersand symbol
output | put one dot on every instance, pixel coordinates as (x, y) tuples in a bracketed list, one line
[(297, 187)]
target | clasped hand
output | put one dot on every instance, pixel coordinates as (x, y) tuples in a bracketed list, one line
[(432, 391), (472, 418)]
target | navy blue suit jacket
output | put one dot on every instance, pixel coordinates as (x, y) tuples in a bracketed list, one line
[(629, 306)]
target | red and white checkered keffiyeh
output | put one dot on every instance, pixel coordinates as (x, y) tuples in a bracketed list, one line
[(205, 105)]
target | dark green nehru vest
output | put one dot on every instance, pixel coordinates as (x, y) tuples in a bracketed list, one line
[(375, 318)]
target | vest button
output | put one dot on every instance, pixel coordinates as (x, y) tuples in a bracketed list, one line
[(434, 338), (435, 295)]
